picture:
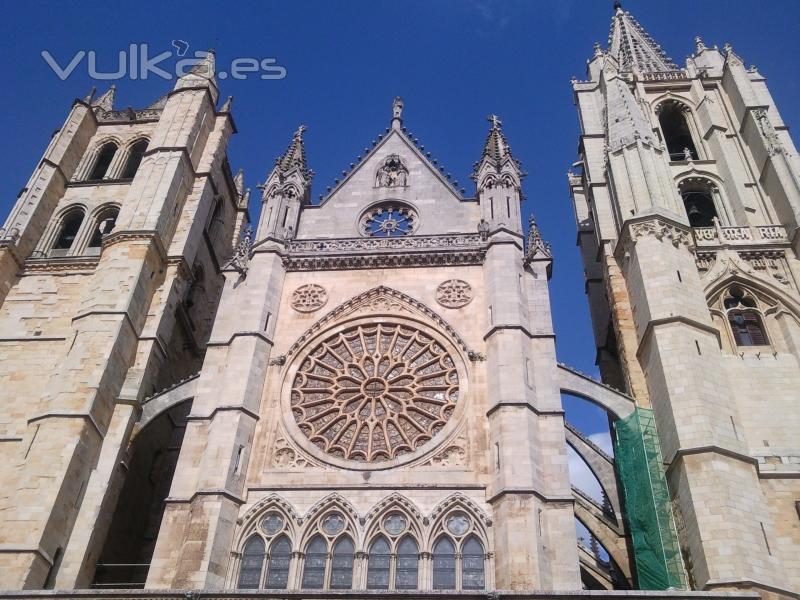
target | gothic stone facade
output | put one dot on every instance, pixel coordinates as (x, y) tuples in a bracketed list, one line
[(362, 393)]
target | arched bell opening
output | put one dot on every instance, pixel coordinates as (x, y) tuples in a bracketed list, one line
[(125, 559)]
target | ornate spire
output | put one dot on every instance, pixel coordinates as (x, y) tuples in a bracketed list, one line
[(295, 155), (106, 101), (496, 151), (536, 244), (633, 47)]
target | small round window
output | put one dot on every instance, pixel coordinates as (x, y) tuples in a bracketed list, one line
[(388, 219)]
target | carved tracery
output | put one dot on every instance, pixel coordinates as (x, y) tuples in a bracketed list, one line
[(372, 393)]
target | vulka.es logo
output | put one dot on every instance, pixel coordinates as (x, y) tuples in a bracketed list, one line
[(137, 63)]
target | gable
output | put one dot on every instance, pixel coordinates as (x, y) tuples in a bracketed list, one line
[(440, 209)]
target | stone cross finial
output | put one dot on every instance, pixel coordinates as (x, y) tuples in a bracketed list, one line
[(300, 131), (495, 121)]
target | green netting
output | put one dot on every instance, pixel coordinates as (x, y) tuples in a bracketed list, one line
[(648, 513)]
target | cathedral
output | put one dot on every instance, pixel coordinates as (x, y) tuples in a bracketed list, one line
[(359, 396)]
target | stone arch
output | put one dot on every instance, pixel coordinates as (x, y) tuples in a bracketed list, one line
[(90, 158), (53, 233), (455, 503), (701, 182), (614, 541), (249, 522), (133, 150), (333, 502), (155, 405), (678, 126), (394, 502), (772, 303), (599, 463), (575, 383), (388, 298)]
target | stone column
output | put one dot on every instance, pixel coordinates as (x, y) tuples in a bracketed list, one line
[(529, 489)]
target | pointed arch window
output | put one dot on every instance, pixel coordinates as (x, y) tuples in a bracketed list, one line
[(280, 557), (103, 161), (379, 564), (342, 564), (70, 226), (316, 561), (407, 572), (135, 155), (252, 563), (472, 565), (744, 318), (672, 117), (105, 223), (444, 564)]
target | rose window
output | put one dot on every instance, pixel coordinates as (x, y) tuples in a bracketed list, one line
[(374, 392), (388, 220)]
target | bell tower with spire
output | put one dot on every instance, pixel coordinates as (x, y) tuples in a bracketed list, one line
[(686, 199)]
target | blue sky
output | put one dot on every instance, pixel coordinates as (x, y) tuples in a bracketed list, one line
[(453, 62)]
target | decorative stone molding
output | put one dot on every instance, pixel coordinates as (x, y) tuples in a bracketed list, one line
[(370, 253), (453, 454), (768, 262), (459, 500), (704, 261), (454, 293), (273, 500), (287, 456), (395, 500), (379, 299), (661, 230), (308, 298), (771, 139)]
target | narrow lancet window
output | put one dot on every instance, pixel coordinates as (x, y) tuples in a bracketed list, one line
[(252, 564), (103, 161), (444, 565)]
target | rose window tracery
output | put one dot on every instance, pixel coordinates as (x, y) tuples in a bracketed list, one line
[(374, 392), (389, 219)]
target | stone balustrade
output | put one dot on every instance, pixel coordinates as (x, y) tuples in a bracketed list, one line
[(720, 236)]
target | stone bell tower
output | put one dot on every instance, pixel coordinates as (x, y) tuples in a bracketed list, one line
[(109, 271), (687, 202)]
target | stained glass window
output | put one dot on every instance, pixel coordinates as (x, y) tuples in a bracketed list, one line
[(316, 559), (252, 563), (407, 564), (379, 564), (472, 565), (444, 565), (342, 564), (280, 556)]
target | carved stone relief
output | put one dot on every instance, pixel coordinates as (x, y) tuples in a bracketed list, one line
[(308, 298), (454, 293)]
